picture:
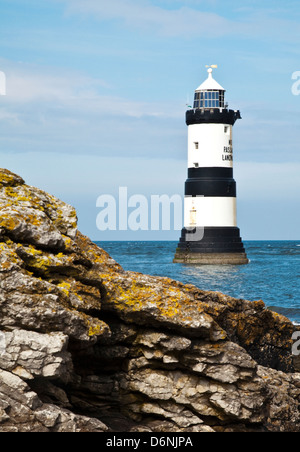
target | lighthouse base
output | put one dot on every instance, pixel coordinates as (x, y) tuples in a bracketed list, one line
[(219, 246), (210, 259)]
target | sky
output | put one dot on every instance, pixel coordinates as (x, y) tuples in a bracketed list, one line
[(96, 94)]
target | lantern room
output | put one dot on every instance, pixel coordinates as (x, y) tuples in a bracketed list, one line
[(210, 94)]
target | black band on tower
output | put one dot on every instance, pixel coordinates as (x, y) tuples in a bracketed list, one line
[(209, 172), (211, 187), (215, 240), (213, 116)]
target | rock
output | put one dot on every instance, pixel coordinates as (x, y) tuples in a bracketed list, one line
[(88, 347), (28, 414), (31, 355)]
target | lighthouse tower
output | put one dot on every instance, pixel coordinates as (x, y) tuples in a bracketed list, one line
[(210, 234)]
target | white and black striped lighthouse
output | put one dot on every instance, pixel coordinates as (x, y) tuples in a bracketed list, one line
[(210, 234)]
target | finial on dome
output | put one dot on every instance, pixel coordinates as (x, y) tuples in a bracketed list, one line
[(210, 69)]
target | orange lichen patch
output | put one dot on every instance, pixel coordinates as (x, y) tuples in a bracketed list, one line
[(81, 296), (36, 208), (96, 327), (135, 295), (60, 220), (13, 196), (97, 330), (259, 304), (9, 223), (22, 196), (11, 219), (8, 178), (65, 287), (44, 261), (68, 244), (97, 255), (8, 258)]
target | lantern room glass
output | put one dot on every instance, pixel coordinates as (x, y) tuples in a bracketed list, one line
[(209, 99)]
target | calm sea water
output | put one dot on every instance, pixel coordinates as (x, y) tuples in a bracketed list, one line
[(272, 275)]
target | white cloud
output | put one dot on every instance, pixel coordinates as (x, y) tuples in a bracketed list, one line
[(73, 92), (33, 83), (55, 111), (251, 21), (143, 15)]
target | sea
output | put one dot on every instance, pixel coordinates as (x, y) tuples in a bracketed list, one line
[(273, 274)]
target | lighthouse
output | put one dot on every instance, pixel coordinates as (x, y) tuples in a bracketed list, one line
[(210, 234)]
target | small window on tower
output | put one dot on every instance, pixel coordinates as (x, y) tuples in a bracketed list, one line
[(196, 165), (196, 145), (226, 129)]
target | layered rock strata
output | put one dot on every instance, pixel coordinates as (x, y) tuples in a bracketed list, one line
[(88, 347)]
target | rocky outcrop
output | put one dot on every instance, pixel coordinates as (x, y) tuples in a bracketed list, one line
[(88, 347)]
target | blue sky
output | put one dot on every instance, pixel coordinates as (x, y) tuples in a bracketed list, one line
[(97, 93)]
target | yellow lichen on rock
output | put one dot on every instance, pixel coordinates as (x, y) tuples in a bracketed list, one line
[(7, 178)]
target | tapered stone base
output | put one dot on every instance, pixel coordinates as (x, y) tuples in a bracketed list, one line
[(188, 257), (218, 246)]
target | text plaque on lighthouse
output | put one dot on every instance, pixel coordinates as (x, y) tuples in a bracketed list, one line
[(210, 234)]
